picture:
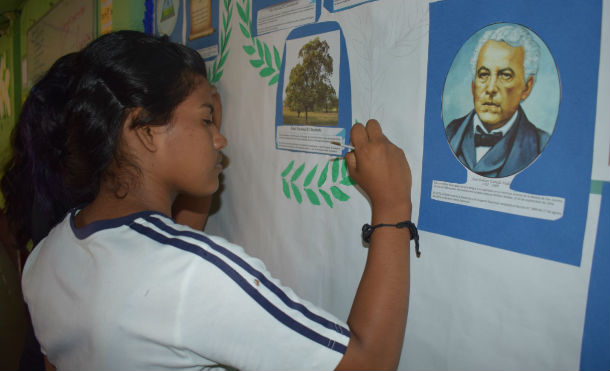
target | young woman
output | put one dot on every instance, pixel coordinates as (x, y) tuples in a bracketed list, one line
[(109, 141)]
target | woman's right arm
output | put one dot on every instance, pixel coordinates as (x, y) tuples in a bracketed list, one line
[(378, 315)]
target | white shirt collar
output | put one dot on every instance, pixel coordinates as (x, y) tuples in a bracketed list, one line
[(504, 129)]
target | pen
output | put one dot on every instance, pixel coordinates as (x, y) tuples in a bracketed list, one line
[(343, 145)]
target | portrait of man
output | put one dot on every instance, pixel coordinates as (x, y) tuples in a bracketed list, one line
[(496, 138)]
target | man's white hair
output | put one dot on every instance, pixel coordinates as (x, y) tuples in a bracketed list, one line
[(515, 36)]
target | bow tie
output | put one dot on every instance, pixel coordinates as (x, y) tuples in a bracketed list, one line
[(484, 139)]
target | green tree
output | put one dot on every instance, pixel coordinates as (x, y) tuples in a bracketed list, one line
[(327, 97), (294, 89), (309, 81)]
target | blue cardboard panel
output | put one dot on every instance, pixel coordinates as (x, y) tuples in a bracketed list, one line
[(595, 354), (562, 170)]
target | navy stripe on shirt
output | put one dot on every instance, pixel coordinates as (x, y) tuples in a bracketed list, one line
[(248, 268), (243, 283)]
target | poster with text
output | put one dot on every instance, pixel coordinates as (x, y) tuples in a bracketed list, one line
[(507, 105), (313, 106), (192, 23), (274, 15)]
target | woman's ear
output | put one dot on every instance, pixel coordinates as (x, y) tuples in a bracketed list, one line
[(144, 134)]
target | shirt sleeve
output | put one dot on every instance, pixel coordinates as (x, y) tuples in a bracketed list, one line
[(234, 313)]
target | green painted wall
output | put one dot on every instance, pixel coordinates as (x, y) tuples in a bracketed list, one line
[(32, 11), (126, 15), (7, 91), (10, 80)]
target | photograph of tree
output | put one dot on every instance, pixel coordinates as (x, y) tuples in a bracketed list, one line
[(311, 94)]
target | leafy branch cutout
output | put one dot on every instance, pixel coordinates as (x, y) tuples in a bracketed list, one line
[(312, 189), (259, 51), (215, 71)]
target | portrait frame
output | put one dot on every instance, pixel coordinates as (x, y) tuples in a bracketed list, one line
[(541, 106)]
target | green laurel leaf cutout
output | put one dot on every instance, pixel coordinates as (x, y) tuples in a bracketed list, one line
[(217, 68), (339, 195), (274, 79), (242, 14), (266, 71), (228, 36), (313, 195), (249, 49), (313, 198), (288, 168), (222, 60), (322, 178), (259, 47), (268, 57), (326, 197), (335, 170), (214, 68), (256, 63), (348, 181), (278, 59), (310, 176), (285, 188), (264, 53), (226, 18), (297, 193), (343, 168), (245, 32), (223, 39), (297, 173)]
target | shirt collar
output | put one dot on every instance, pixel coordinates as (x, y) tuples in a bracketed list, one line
[(504, 129)]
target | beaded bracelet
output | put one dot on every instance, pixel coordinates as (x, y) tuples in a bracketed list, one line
[(367, 231)]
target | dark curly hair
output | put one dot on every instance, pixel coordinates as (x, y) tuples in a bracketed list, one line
[(68, 130)]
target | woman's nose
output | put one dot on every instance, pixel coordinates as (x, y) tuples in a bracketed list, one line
[(220, 141)]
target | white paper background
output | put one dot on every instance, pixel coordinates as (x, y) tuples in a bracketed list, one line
[(472, 307)]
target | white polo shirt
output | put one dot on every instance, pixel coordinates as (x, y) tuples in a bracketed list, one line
[(142, 292)]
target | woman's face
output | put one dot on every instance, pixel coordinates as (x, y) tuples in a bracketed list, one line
[(192, 159)]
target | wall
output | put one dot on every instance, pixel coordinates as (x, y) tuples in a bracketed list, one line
[(127, 15)]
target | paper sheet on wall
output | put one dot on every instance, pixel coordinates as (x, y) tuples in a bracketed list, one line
[(534, 202)]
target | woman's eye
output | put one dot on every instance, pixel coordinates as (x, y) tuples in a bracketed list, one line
[(208, 122)]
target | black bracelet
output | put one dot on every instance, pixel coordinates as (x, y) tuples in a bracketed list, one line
[(367, 231)]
